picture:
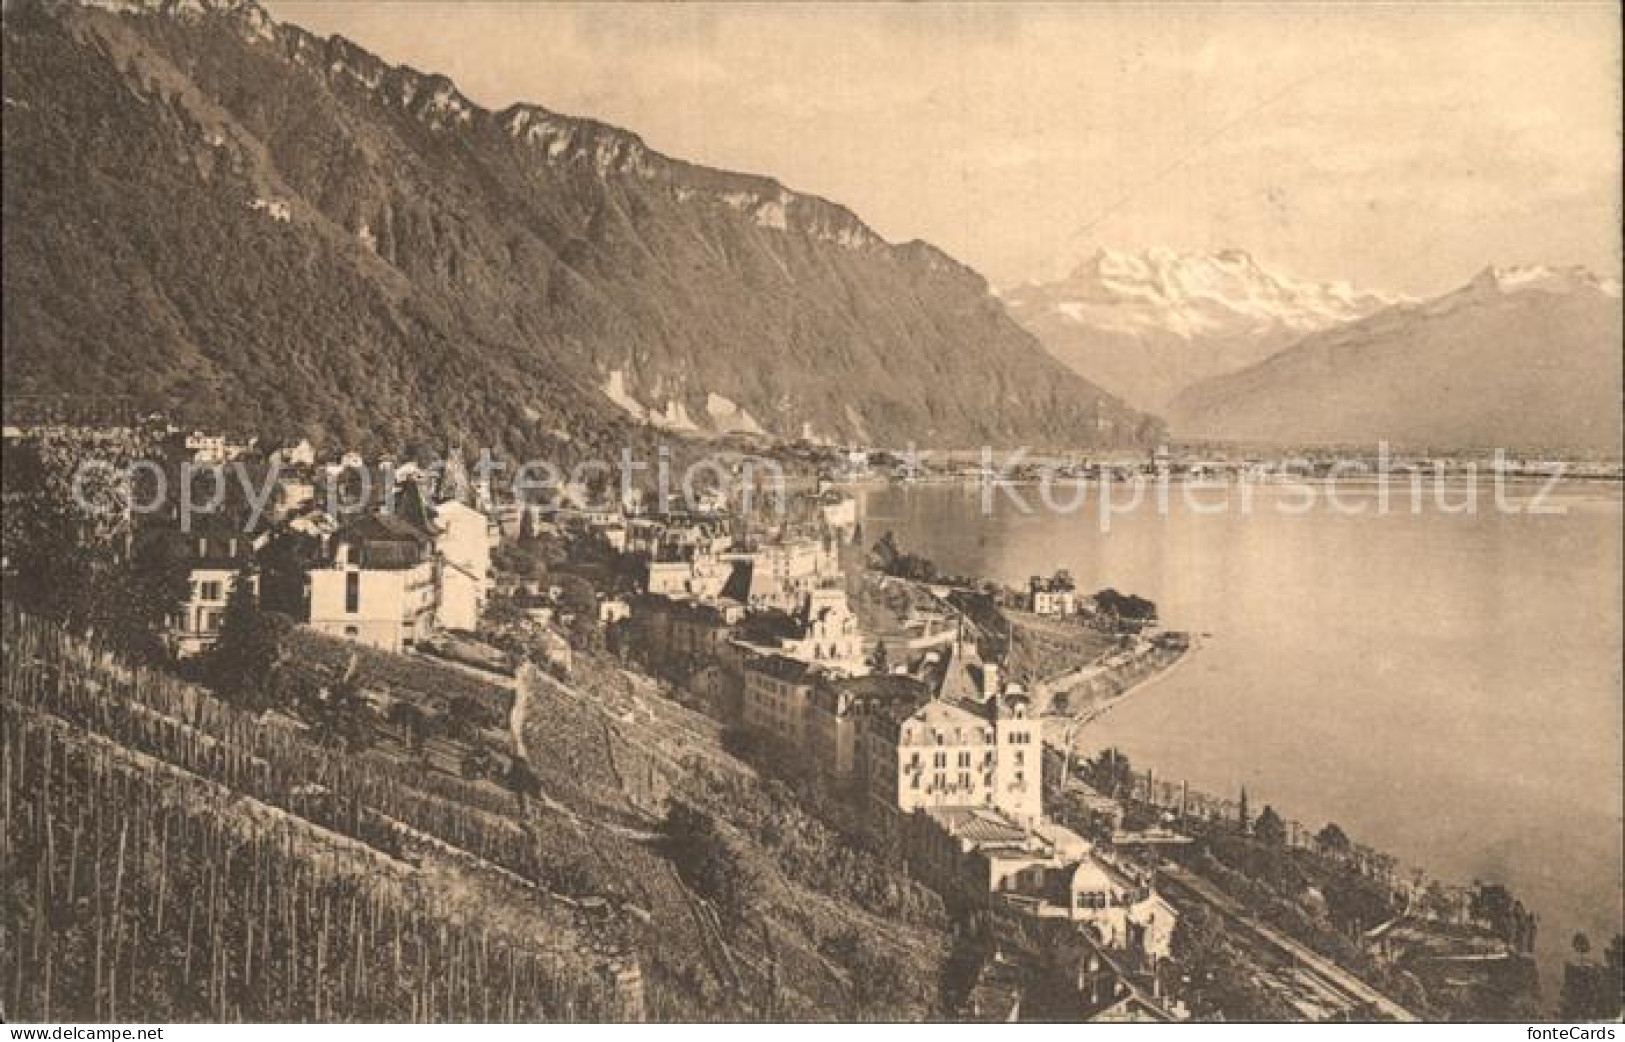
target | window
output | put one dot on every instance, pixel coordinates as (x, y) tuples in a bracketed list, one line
[(211, 590), (964, 759), (352, 631), (352, 592), (211, 620)]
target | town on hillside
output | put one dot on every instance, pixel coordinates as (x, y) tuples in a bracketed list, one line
[(484, 649), (592, 513)]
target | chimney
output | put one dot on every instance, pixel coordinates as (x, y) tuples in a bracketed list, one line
[(990, 679)]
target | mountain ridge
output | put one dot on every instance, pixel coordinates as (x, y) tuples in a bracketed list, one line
[(553, 251), (1517, 358)]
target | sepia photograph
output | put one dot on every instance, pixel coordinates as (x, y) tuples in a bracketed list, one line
[(896, 513)]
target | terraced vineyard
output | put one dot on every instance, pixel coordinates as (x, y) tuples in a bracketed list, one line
[(168, 856)]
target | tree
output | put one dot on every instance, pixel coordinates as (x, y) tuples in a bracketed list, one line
[(146, 590), (412, 720), (464, 717), (885, 557), (1595, 991), (707, 861), (501, 612), (1355, 903), (476, 764), (1243, 818), (1436, 901), (878, 659), (412, 506), (1493, 905), (73, 552), (1269, 828), (250, 646), (1126, 606), (1111, 773), (578, 600), (341, 711), (523, 782), (1333, 841), (1218, 981), (282, 576)]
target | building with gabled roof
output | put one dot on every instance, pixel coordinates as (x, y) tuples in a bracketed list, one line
[(215, 550), (973, 745), (834, 708), (379, 584)]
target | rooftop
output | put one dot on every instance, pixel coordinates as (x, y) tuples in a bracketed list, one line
[(782, 668), (978, 825), (883, 687), (385, 542)]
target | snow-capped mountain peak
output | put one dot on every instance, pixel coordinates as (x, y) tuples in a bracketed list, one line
[(1148, 324), (1522, 279), (1161, 291)]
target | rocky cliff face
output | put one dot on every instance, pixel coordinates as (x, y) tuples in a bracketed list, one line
[(1521, 358), (230, 216)]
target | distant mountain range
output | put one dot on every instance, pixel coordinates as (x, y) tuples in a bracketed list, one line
[(1227, 350), (1148, 325), (1520, 358), (238, 221), (219, 213)]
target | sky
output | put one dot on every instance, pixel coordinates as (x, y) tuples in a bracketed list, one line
[(1399, 147)]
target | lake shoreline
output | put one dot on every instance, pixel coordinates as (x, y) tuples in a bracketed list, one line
[(1346, 645), (1082, 719)]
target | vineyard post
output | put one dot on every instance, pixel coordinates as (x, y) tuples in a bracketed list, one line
[(118, 921)]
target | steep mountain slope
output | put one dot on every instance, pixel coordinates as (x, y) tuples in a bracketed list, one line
[(1521, 358), (206, 208), (1148, 325)]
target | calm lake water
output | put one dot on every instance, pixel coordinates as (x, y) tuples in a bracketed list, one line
[(1445, 687)]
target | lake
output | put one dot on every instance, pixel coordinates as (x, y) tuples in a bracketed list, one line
[(1444, 686)]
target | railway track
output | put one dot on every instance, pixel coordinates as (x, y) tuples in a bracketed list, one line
[(1320, 979)]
